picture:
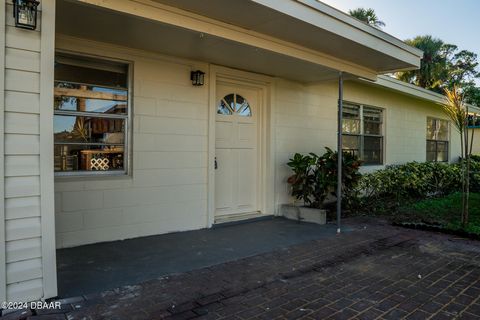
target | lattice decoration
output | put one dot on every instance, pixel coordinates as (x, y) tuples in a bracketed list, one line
[(100, 164)]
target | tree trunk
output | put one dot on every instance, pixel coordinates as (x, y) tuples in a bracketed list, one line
[(467, 173), (462, 167)]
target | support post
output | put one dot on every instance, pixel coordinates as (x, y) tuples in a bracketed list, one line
[(339, 150)]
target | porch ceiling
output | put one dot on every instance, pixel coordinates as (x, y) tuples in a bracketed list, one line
[(314, 25), (90, 22)]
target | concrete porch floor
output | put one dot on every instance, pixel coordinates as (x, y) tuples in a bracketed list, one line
[(99, 267)]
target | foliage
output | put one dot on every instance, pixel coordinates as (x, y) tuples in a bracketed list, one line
[(368, 16), (383, 191), (412, 180), (433, 65), (456, 109), (315, 177), (472, 94), (442, 211), (444, 66), (475, 157), (302, 180)]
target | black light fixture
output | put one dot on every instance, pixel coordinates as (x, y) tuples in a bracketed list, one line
[(197, 77), (25, 13)]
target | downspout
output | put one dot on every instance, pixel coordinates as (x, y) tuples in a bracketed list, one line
[(339, 150)]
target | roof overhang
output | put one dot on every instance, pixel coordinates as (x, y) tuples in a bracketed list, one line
[(411, 90), (314, 25), (297, 40)]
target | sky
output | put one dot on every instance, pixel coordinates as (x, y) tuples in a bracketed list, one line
[(454, 21)]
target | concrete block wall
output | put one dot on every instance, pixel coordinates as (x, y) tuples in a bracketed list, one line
[(306, 121), (165, 190)]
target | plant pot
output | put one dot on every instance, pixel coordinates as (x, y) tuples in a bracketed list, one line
[(305, 214)]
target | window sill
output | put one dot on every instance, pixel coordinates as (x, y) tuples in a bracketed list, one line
[(93, 177)]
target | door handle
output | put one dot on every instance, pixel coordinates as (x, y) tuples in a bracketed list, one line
[(216, 164)]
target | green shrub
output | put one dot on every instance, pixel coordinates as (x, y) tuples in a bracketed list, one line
[(385, 189), (475, 157), (475, 174), (315, 177)]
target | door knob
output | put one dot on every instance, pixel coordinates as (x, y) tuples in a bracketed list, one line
[(216, 164)]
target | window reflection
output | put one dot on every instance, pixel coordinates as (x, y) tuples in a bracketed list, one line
[(90, 114)]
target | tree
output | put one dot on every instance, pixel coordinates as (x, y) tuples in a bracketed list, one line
[(368, 16), (457, 110), (461, 69), (472, 94), (442, 67), (433, 66)]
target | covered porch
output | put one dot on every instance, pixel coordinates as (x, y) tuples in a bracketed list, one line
[(170, 182)]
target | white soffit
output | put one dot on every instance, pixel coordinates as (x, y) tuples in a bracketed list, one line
[(77, 19), (314, 25)]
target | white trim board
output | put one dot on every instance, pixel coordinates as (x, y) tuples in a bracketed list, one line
[(47, 201), (266, 184), (3, 285)]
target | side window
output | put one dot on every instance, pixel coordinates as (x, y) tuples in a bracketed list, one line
[(363, 132), (437, 140), (91, 113)]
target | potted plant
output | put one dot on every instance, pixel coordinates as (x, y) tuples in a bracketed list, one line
[(314, 181)]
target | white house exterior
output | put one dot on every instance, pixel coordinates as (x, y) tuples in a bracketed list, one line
[(184, 160)]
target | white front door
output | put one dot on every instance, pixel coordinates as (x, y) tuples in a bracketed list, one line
[(236, 149)]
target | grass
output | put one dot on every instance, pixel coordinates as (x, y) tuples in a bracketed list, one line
[(445, 212)]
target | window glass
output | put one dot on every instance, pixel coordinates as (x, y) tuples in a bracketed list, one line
[(234, 104), (372, 121), (351, 111), (90, 115), (81, 70), (442, 130), (372, 151), (71, 129), (351, 144), (73, 157), (363, 132), (351, 119), (437, 139), (224, 109), (74, 97)]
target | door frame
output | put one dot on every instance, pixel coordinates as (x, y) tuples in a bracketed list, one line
[(265, 142)]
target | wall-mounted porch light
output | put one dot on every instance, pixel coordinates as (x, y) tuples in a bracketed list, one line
[(25, 13), (197, 77)]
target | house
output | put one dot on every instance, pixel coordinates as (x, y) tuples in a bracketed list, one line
[(111, 133)]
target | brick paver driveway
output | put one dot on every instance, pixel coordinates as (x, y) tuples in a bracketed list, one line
[(375, 272)]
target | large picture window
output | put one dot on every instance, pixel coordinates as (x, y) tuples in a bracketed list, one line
[(437, 140), (91, 112), (363, 132)]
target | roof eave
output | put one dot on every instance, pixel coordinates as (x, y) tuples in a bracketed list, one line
[(411, 90)]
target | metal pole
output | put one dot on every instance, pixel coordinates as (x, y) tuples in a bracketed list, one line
[(339, 150)]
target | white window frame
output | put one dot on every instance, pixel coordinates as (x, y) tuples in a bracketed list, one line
[(362, 134), (128, 139)]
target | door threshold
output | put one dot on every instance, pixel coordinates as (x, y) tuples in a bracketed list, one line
[(240, 218)]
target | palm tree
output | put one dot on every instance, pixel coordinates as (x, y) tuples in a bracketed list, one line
[(368, 16), (457, 110), (434, 65)]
